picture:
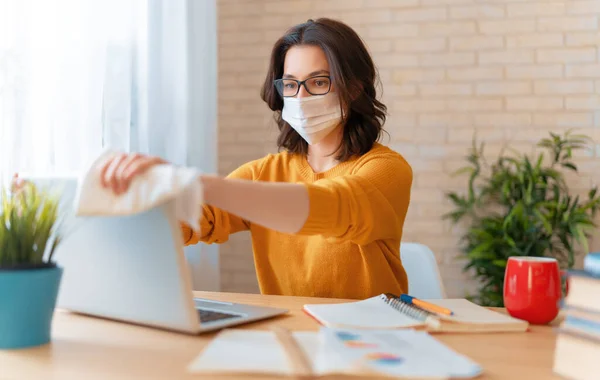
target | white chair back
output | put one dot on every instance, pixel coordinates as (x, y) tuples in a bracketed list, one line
[(424, 280)]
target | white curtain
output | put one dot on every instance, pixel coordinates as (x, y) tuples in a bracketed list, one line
[(52, 62), (77, 76), (80, 75), (146, 89)]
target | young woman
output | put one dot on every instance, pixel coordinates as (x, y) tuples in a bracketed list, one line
[(326, 213)]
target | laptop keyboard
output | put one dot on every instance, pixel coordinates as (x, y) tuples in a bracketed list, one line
[(211, 316)]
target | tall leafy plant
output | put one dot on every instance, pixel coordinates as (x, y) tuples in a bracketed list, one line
[(521, 206), (28, 227)]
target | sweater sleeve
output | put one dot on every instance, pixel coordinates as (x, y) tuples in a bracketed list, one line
[(216, 225), (367, 205)]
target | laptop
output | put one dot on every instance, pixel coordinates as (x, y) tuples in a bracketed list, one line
[(133, 269)]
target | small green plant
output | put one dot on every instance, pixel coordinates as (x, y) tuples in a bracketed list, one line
[(520, 206), (28, 223)]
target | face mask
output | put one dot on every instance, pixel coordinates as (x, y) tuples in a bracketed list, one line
[(313, 117)]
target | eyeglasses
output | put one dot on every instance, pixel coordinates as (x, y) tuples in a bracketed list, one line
[(319, 85)]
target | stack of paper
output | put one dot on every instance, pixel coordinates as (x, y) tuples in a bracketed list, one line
[(401, 353)]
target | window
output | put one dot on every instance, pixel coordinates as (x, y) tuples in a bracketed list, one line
[(66, 80)]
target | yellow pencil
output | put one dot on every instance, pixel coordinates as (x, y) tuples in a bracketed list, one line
[(425, 305)]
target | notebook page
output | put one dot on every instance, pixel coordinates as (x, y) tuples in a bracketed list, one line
[(371, 313), (335, 351), (252, 352), (399, 353), (469, 312), (242, 351)]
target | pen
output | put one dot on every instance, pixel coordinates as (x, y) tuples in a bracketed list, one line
[(425, 305)]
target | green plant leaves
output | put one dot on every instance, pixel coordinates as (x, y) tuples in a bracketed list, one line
[(27, 223), (521, 207), (544, 221)]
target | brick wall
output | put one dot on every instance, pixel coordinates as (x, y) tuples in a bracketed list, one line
[(510, 70)]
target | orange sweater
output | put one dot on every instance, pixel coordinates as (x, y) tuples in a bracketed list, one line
[(349, 245)]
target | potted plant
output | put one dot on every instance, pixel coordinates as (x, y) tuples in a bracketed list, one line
[(29, 279), (521, 206)]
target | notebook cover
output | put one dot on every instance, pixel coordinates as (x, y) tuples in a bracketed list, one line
[(582, 312), (583, 273), (578, 334)]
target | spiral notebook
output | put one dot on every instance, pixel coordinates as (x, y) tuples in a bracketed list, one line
[(387, 312)]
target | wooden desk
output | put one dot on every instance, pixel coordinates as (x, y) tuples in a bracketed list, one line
[(90, 348)]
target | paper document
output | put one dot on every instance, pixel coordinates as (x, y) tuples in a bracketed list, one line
[(397, 353)]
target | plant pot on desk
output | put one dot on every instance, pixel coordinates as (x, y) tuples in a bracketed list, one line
[(29, 279), (27, 299)]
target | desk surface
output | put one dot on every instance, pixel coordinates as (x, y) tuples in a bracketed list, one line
[(92, 348)]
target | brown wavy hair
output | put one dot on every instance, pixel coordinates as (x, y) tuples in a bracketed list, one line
[(353, 74)]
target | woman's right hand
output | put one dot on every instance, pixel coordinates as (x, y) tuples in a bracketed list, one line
[(118, 171)]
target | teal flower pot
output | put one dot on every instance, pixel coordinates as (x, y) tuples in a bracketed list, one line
[(27, 301)]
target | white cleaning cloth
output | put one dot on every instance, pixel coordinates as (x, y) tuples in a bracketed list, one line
[(158, 185)]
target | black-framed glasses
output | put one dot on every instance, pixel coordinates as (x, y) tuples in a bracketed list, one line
[(317, 85)]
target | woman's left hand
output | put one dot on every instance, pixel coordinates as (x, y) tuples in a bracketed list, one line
[(117, 172)]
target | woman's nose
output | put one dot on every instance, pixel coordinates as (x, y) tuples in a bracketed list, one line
[(302, 93)]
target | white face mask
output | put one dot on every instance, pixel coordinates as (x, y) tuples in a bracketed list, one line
[(313, 117)]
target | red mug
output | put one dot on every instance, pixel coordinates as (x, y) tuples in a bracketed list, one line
[(532, 288)]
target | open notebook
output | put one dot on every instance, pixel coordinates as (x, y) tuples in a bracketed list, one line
[(400, 354), (383, 312)]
